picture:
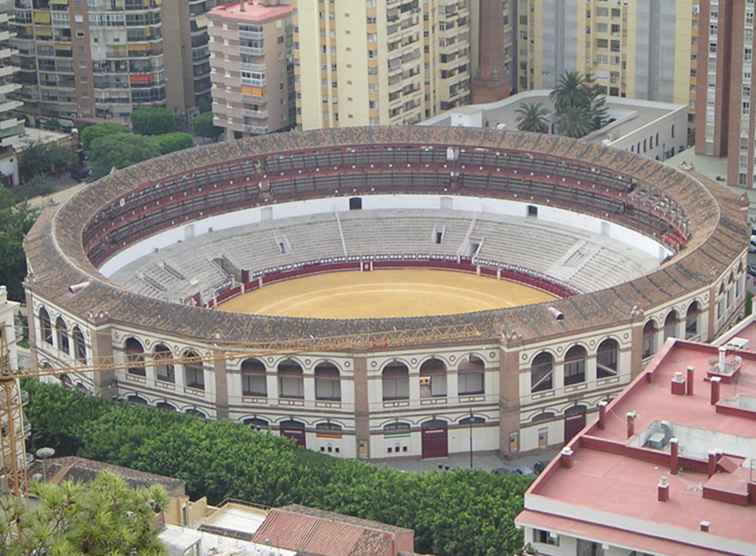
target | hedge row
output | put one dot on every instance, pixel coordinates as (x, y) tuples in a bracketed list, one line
[(452, 513)]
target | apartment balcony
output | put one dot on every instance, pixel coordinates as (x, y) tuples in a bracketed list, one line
[(10, 105), (255, 129), (252, 50), (9, 88)]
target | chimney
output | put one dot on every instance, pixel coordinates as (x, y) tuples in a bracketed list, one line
[(705, 526), (602, 414), (722, 358), (662, 490), (689, 372), (631, 415), (711, 464), (242, 6), (678, 384), (566, 457), (674, 459), (714, 398)]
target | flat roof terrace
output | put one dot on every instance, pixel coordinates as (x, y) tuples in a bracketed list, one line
[(605, 484)]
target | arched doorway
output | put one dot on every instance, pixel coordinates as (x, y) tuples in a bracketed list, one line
[(574, 421), (435, 439), (294, 430)]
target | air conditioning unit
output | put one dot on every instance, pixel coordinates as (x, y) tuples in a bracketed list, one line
[(425, 381)]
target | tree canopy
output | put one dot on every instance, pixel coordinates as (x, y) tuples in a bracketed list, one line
[(203, 126), (104, 517), (532, 117), (579, 103), (171, 142), (92, 132), (45, 158), (120, 150), (153, 120), (452, 513), (16, 219)]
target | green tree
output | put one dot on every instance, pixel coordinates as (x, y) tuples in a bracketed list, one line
[(203, 126), (16, 219), (104, 517), (575, 121), (171, 142), (532, 117), (457, 512), (569, 91), (92, 132), (45, 158), (153, 120), (120, 150)]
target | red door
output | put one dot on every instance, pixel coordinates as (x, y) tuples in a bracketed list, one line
[(574, 421), (294, 430), (435, 439)]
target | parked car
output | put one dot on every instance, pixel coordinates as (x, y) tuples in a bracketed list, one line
[(752, 270)]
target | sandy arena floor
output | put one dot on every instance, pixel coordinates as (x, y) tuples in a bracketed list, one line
[(384, 293)]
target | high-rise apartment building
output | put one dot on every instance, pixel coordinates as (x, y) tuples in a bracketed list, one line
[(640, 49), (250, 46), (98, 59), (10, 125), (725, 87), (379, 62)]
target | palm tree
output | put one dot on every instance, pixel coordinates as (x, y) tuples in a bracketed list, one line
[(575, 121), (532, 117), (569, 91), (599, 111)]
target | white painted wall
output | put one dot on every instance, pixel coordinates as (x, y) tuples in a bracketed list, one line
[(282, 211)]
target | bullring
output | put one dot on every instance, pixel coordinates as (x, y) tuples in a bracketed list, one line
[(515, 379)]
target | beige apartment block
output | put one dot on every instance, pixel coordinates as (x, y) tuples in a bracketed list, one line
[(250, 44), (380, 62), (641, 49)]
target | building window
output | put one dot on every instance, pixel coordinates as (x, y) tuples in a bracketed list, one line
[(163, 362), (135, 357), (649, 339), (433, 379), (541, 372), (395, 382), (545, 537), (290, 380), (254, 381), (607, 357), (574, 365), (327, 382), (471, 377), (691, 320), (80, 347), (45, 326), (194, 371), (670, 326), (62, 331)]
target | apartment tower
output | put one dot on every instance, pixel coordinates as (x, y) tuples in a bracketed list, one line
[(99, 59), (640, 49), (379, 62), (10, 125), (250, 44), (724, 93)]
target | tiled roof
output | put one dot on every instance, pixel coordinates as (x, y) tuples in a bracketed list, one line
[(717, 226)]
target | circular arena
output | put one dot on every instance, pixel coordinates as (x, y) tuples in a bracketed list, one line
[(387, 292)]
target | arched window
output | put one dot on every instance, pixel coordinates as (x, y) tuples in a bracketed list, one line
[(135, 357), (542, 372), (257, 424), (574, 365), (45, 327), (470, 421), (80, 346), (254, 382), (163, 361), (649, 339), (327, 382), (290, 380), (471, 376), (136, 400), (691, 320), (395, 382), (62, 332), (166, 406), (670, 326), (195, 413), (607, 358), (432, 378), (542, 417), (194, 371), (332, 430), (396, 429)]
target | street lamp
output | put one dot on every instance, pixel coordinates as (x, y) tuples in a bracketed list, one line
[(44, 454)]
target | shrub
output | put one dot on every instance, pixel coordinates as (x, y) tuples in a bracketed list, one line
[(458, 512), (203, 126)]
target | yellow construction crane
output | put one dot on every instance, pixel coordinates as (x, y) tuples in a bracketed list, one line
[(12, 437)]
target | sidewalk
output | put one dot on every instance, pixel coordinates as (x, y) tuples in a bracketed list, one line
[(485, 461)]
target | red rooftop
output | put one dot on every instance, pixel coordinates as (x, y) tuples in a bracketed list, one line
[(254, 11), (667, 466)]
